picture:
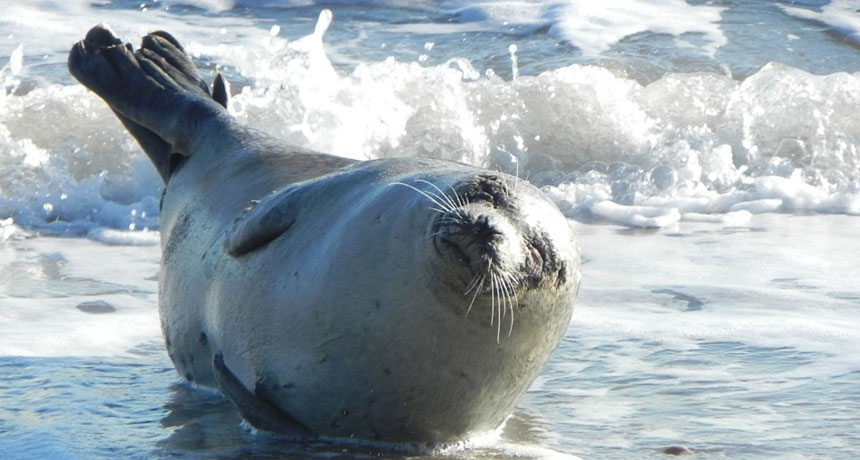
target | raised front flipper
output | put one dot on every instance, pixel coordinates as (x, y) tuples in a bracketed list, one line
[(255, 408)]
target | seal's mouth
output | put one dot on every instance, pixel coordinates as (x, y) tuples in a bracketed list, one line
[(469, 241)]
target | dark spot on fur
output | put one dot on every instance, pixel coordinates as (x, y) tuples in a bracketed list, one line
[(203, 339), (386, 371), (189, 377)]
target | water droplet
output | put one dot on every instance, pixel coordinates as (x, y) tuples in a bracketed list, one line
[(514, 66), (16, 59)]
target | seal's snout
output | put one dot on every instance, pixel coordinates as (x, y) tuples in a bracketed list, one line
[(473, 241), (485, 229), (474, 231)]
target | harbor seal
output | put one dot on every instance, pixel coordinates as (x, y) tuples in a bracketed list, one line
[(398, 300)]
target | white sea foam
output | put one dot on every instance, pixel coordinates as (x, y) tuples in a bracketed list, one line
[(601, 144), (74, 297), (738, 288), (595, 26), (842, 15)]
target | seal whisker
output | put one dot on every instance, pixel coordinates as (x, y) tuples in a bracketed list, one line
[(440, 196), (429, 196), (492, 299), (472, 284), (475, 296), (444, 196), (503, 292), (456, 218), (433, 235), (498, 302), (513, 300), (457, 197)]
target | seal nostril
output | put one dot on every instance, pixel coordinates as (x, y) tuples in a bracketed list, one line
[(536, 257), (561, 278), (538, 253), (471, 241), (484, 231)]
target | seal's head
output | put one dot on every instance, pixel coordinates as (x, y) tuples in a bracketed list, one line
[(498, 240)]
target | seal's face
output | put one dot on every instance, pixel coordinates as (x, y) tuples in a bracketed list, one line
[(492, 240)]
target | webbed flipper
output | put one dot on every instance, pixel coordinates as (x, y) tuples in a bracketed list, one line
[(157, 92), (262, 223), (254, 408)]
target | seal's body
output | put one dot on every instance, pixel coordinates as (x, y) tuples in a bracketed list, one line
[(404, 300)]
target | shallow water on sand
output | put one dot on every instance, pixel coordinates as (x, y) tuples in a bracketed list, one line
[(737, 342)]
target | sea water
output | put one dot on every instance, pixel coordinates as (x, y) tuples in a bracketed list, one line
[(705, 151)]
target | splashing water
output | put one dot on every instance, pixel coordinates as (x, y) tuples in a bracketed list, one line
[(603, 145)]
